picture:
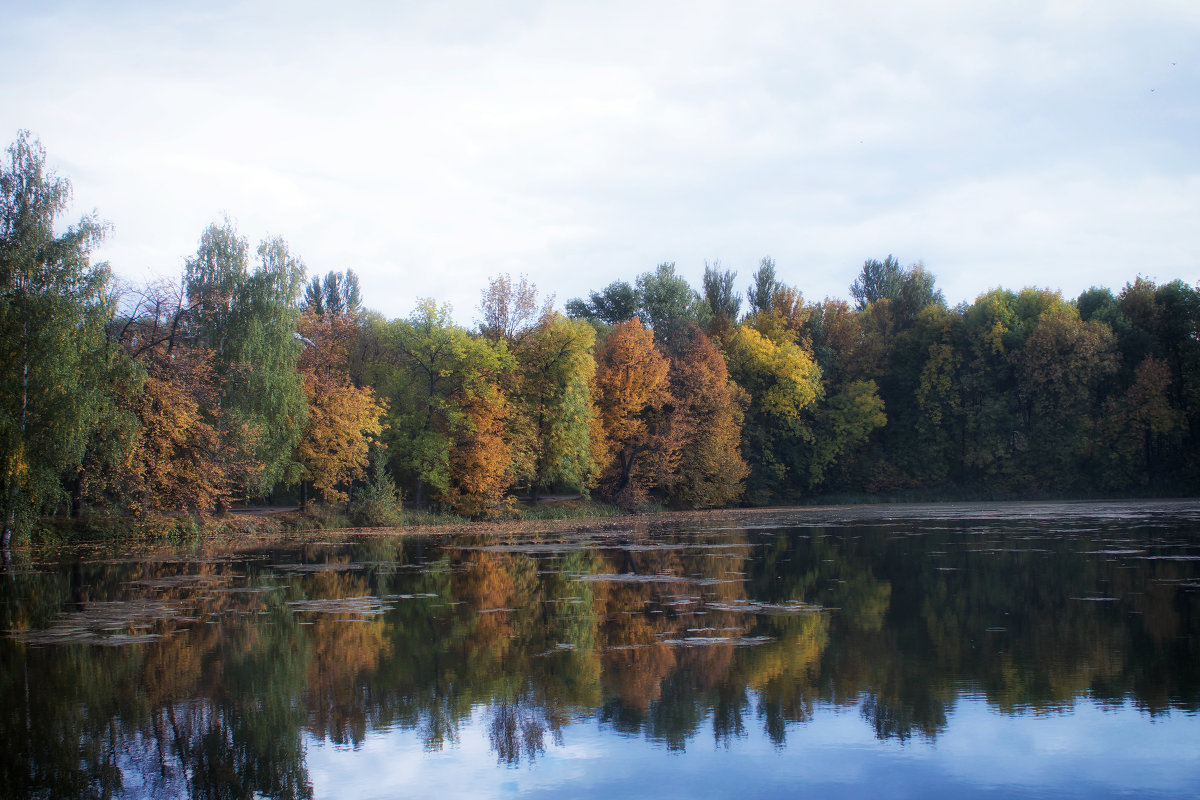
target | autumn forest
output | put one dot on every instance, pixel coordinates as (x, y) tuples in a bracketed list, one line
[(247, 379)]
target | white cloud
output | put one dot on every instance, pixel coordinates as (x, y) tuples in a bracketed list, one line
[(431, 146)]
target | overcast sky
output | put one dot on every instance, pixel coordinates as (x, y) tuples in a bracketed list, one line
[(430, 145)]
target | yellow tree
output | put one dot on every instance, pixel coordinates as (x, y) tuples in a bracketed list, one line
[(784, 385), (343, 419)]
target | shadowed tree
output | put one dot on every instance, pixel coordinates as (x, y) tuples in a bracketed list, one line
[(784, 385)]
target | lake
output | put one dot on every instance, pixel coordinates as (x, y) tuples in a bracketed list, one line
[(982, 650)]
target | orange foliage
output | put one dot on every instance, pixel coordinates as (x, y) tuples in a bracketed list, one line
[(633, 399), (481, 456), (343, 419), (181, 459), (707, 421)]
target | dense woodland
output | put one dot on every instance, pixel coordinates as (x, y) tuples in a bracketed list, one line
[(246, 379)]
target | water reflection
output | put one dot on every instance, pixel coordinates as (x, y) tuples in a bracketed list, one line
[(209, 677)]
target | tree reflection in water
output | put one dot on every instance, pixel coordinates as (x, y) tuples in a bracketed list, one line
[(661, 634)]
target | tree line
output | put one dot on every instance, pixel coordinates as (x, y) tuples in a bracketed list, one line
[(244, 378)]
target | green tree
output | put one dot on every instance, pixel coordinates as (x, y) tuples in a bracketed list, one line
[(760, 293), (552, 402), (339, 294), (53, 307), (445, 403), (248, 319), (667, 303), (910, 289), (617, 303), (1062, 364), (724, 304), (784, 385)]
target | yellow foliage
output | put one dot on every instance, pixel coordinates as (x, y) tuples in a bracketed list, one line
[(343, 419), (782, 379)]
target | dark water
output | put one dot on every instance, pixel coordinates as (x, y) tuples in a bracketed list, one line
[(932, 651)]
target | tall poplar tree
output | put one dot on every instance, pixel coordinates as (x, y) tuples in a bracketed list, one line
[(53, 306)]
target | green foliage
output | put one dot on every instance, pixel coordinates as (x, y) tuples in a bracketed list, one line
[(201, 387), (909, 290), (760, 293), (377, 503), (552, 403), (338, 294), (617, 303), (249, 319), (843, 422), (667, 303), (784, 385), (53, 349), (434, 376), (724, 304)]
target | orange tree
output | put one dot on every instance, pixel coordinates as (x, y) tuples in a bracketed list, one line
[(634, 401)]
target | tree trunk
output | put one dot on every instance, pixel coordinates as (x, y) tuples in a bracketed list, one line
[(77, 497)]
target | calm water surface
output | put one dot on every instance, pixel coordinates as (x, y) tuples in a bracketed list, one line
[(1000, 650)]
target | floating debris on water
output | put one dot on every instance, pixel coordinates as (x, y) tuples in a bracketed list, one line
[(244, 589), (630, 577), (702, 641), (365, 605), (179, 581), (114, 622), (305, 568), (518, 548), (769, 609)]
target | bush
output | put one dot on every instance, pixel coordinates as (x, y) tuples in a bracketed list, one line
[(376, 503)]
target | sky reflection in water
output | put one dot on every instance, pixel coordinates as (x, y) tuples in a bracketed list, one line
[(1087, 752), (1045, 650)]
